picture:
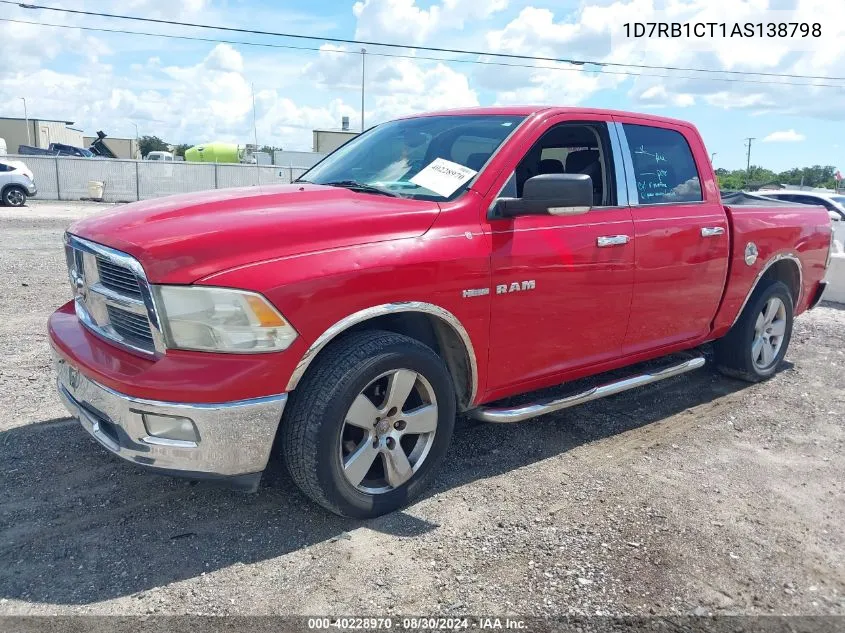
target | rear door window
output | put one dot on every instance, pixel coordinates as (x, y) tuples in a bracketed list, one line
[(664, 168)]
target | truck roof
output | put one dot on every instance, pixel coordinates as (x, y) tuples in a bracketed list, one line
[(528, 110)]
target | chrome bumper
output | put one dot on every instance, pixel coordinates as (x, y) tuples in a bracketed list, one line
[(233, 439)]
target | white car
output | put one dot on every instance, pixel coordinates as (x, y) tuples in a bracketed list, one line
[(16, 183), (165, 156), (833, 202)]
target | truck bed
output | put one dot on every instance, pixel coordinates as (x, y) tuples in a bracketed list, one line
[(783, 234)]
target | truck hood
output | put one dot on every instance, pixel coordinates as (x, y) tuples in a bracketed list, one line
[(181, 239)]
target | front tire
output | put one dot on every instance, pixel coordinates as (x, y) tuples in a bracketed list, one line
[(14, 196), (755, 346), (369, 424)]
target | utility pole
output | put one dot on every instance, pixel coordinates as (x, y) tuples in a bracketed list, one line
[(26, 118), (363, 66), (137, 139), (254, 126), (748, 164)]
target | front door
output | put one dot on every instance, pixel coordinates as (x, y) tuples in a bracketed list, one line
[(681, 236), (561, 284)]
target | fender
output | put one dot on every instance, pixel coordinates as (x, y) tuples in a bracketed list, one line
[(389, 308), (772, 261)]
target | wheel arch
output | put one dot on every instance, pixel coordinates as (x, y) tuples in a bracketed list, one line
[(785, 267), (430, 324), (12, 185)]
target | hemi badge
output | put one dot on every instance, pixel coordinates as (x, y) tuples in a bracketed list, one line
[(475, 292)]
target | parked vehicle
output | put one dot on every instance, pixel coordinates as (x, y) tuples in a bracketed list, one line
[(16, 183), (217, 153), (833, 202), (97, 149), (2, 147), (434, 264), (162, 156), (55, 149)]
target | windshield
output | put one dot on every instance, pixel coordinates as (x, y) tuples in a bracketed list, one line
[(840, 200), (432, 158)]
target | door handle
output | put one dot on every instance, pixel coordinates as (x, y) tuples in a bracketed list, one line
[(712, 231), (612, 240)]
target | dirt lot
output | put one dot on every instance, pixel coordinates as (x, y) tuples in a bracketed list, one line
[(700, 494)]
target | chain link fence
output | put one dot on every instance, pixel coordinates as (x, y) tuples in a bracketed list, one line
[(67, 178)]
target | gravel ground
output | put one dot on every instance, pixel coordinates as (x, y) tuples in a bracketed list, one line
[(698, 495)]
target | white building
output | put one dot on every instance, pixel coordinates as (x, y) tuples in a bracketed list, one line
[(42, 132)]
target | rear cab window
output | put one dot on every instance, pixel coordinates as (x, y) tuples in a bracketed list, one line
[(664, 168)]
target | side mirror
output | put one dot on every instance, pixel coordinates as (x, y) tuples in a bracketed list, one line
[(834, 216), (549, 194)]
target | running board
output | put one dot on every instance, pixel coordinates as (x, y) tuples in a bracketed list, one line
[(525, 412)]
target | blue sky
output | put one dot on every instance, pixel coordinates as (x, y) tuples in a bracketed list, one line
[(186, 91)]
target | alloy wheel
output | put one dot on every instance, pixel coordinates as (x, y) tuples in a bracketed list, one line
[(15, 198), (769, 331), (388, 431)]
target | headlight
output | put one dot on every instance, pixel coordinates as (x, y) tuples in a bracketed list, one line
[(221, 320)]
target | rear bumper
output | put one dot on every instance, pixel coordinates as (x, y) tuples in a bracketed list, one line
[(31, 189), (233, 440)]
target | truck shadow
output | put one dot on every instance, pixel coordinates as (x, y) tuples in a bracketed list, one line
[(78, 526)]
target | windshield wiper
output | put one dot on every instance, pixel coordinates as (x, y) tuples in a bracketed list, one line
[(354, 185)]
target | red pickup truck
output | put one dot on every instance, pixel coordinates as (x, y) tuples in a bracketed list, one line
[(435, 264)]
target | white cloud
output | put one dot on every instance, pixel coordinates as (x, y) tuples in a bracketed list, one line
[(657, 96), (224, 57), (784, 136), (188, 92), (591, 32), (394, 86), (404, 22)]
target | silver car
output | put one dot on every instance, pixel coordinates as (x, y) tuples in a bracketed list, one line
[(16, 183), (833, 202)]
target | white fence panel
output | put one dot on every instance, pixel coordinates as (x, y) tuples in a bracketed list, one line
[(117, 176), (233, 175), (251, 175), (44, 172), (273, 175), (67, 177), (157, 179)]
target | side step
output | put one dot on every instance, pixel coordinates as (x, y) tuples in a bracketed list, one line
[(528, 411)]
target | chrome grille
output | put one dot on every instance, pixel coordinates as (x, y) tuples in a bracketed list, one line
[(132, 327), (112, 296), (118, 278)]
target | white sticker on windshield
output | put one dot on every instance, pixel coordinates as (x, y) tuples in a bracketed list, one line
[(443, 177)]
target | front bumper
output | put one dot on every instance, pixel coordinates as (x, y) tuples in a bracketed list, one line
[(233, 440), (31, 190)]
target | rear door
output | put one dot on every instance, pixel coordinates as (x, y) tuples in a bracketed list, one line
[(680, 238)]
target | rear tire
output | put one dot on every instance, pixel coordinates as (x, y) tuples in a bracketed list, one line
[(14, 196), (755, 346), (383, 399)]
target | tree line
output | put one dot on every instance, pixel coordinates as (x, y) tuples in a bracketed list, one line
[(815, 176)]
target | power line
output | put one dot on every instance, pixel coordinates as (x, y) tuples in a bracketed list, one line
[(412, 57), (405, 46)]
